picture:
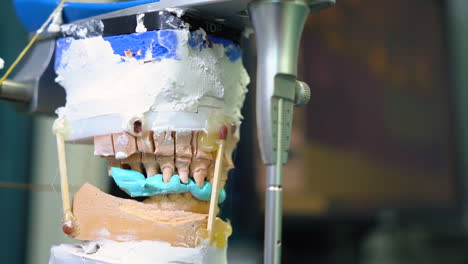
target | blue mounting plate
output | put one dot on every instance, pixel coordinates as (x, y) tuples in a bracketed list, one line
[(33, 13)]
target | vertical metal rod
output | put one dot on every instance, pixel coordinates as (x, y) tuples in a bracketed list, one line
[(458, 41), (274, 196)]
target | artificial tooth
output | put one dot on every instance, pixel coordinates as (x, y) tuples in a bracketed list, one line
[(164, 150), (224, 172), (163, 143), (183, 150), (167, 173), (184, 176), (136, 167), (199, 177), (134, 161), (103, 145), (124, 145), (227, 166), (112, 162), (145, 145), (197, 151), (201, 161), (145, 142), (150, 164), (151, 169)]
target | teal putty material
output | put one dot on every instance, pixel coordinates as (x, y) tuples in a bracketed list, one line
[(135, 184)]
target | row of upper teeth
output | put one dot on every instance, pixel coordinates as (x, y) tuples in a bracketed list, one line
[(167, 153)]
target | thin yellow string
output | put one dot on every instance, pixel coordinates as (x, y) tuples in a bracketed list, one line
[(32, 186), (31, 42)]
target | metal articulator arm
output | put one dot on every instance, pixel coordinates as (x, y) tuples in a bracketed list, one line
[(33, 86), (278, 27)]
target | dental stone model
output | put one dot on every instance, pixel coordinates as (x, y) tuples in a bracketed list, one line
[(155, 104)]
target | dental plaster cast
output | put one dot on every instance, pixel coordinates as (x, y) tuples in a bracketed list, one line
[(170, 79), (152, 103)]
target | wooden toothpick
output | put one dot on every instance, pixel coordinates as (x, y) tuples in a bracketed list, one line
[(69, 225), (63, 174), (215, 184)]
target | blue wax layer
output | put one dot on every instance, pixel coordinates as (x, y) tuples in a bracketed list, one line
[(197, 42), (135, 184), (162, 44)]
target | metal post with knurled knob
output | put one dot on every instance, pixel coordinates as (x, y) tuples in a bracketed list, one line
[(302, 94)]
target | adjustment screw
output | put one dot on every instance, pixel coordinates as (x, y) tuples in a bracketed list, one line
[(302, 95)]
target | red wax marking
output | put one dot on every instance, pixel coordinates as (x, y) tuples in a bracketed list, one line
[(137, 127), (223, 131), (67, 228)]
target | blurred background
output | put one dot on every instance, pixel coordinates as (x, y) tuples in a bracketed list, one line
[(379, 158)]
